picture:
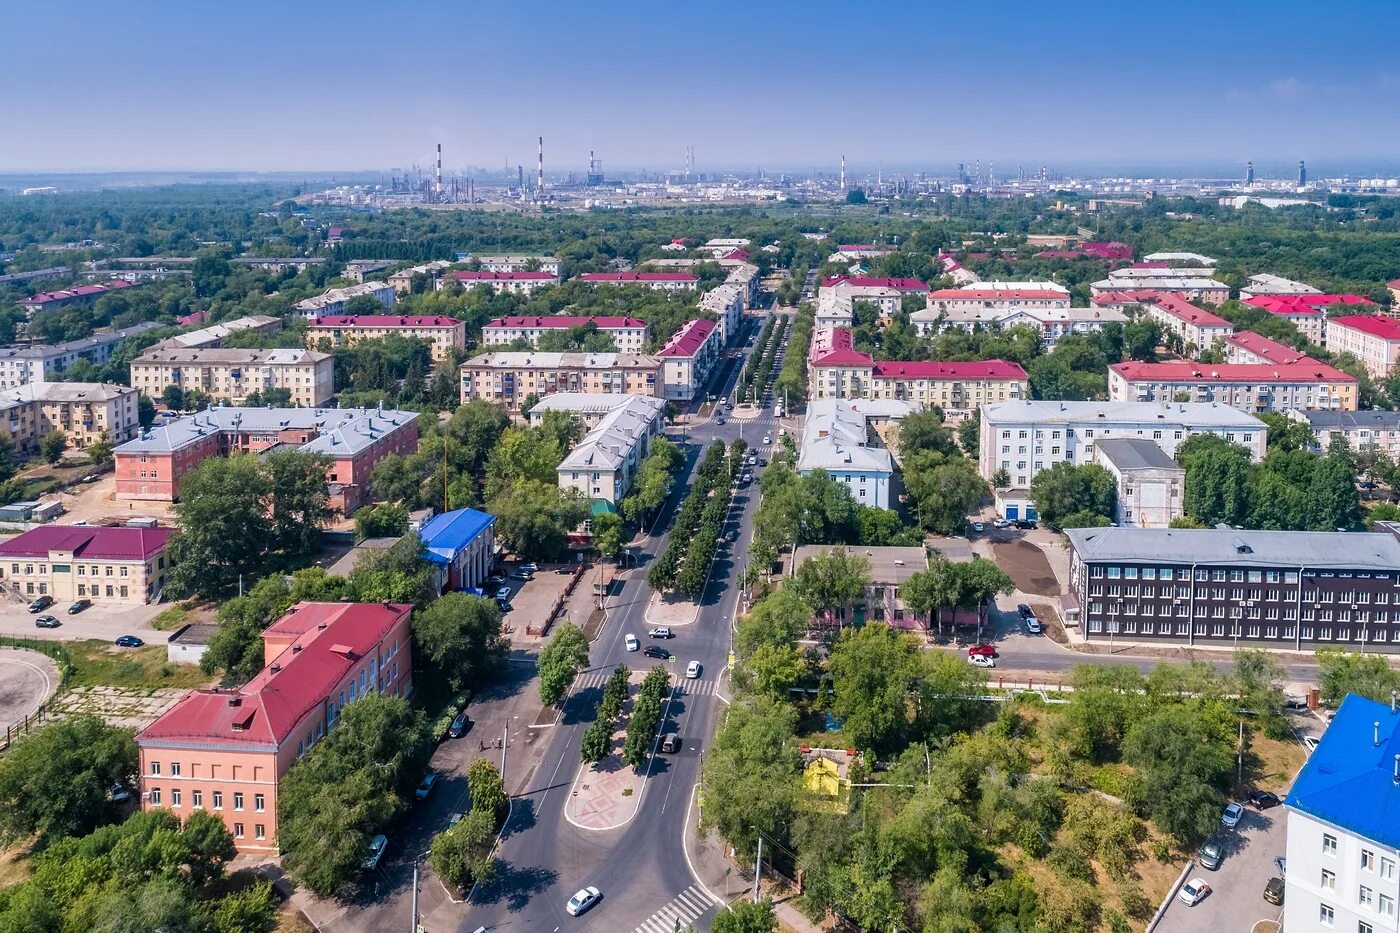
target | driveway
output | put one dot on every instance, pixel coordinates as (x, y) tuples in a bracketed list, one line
[(1236, 901), (101, 620)]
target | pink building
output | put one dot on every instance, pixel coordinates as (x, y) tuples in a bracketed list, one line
[(1372, 339), (1109, 250), (1249, 347), (226, 751), (1196, 327)]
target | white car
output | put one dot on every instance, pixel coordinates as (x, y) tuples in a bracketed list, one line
[(692, 670), (767, 438), (1033, 625), (1001, 523), (981, 660), (583, 900), (978, 527), (1310, 743), (631, 642), (1194, 891), (1234, 812)]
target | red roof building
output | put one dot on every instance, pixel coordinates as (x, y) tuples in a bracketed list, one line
[(1193, 326), (1248, 347), (70, 297), (931, 369), (911, 286), (105, 564), (1250, 387), (688, 358), (656, 281), (226, 751), (1373, 339), (1110, 250)]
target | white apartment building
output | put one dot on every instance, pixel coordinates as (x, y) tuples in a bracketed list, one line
[(403, 279), (606, 461), (1052, 323), (628, 334), (726, 303), (549, 264), (836, 438), (885, 294), (215, 334), (1266, 284), (514, 283), (746, 276), (835, 309), (1188, 287), (1188, 260), (688, 358), (1251, 387), (656, 281), (333, 301), (1025, 437), (233, 375), (23, 365), (1363, 430), (1151, 486), (998, 296)]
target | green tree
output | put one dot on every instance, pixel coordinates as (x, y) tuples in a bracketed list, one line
[(752, 775), (237, 648), (1181, 754), (460, 636), (54, 780), (52, 445), (969, 432), (925, 431), (1340, 672), (385, 520), (299, 501), (534, 518), (100, 450), (1066, 490), (251, 910), (874, 671), (943, 490), (1332, 494), (488, 790), (560, 661), (461, 854), (855, 196), (776, 621), (607, 534), (224, 526), (832, 582), (209, 845), (744, 916)]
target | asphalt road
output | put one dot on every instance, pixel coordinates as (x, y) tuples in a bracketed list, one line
[(640, 867)]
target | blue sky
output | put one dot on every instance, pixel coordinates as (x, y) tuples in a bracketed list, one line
[(260, 85)]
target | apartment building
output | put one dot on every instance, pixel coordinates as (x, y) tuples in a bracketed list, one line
[(215, 334), (1196, 328), (1308, 312), (514, 283), (887, 294), (1286, 589), (628, 334), (403, 279), (1343, 843), (510, 377), (726, 303), (1369, 430), (233, 375), (1250, 348), (850, 252), (1025, 437), (1372, 339), (106, 564), (837, 438), (1189, 288), (78, 295), (1111, 250), (1051, 323), (1267, 284), (835, 369), (688, 358), (747, 277), (84, 412), (834, 309), (1185, 260), (605, 462), (549, 264), (1251, 387), (997, 297), (334, 300), (1151, 486), (443, 335), (225, 751), (358, 269), (152, 465), (656, 281), (36, 363)]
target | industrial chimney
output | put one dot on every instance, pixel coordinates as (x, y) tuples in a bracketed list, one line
[(437, 185), (843, 173), (1249, 174)]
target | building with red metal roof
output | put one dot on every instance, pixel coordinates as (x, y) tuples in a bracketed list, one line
[(1306, 311), (443, 335), (1248, 347), (656, 281), (688, 358), (516, 283), (1373, 339), (226, 751), (1250, 387), (104, 564), (887, 294), (1195, 328), (1110, 250), (71, 297), (629, 334)]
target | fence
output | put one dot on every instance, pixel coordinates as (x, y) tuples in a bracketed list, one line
[(61, 658), (557, 611)]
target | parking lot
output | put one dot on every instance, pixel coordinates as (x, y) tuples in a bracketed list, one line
[(100, 620), (1236, 901)]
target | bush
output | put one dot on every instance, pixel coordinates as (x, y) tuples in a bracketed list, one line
[(1134, 902), (597, 741)]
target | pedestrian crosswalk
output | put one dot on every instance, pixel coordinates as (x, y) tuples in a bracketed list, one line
[(594, 680), (687, 907)]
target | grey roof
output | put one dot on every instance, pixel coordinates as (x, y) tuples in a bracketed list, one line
[(1030, 411), (1132, 453), (611, 441), (195, 339), (62, 392), (887, 564), (834, 439), (1351, 420), (591, 403), (48, 351), (221, 355), (1309, 549), (340, 431)]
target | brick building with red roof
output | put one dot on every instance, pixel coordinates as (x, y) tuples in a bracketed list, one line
[(443, 334), (226, 751), (117, 565), (1249, 387), (629, 334), (71, 297), (656, 281)]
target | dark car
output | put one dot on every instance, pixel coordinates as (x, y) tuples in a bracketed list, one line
[(656, 651), (1273, 891), (1025, 525), (1263, 799), (1211, 855), (46, 622), (41, 603), (1024, 611), (78, 606), (459, 726), (128, 641)]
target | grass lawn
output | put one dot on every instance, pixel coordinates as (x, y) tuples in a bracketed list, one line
[(177, 615), (98, 663)]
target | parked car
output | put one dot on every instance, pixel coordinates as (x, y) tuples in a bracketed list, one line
[(529, 567), (1211, 855), (978, 527), (377, 845), (1263, 799), (455, 818), (1310, 743), (78, 606), (1025, 525), (1033, 626), (981, 660), (503, 595), (118, 793), (692, 670), (1194, 891), (495, 581), (1295, 701), (985, 650), (41, 603), (46, 622), (1000, 523), (661, 631), (1273, 891), (1234, 812), (425, 787), (631, 642), (671, 743), (731, 536), (460, 725), (583, 900), (128, 641), (520, 575), (763, 461), (656, 651), (1025, 611)]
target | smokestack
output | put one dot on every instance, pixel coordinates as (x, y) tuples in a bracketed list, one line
[(437, 185), (1249, 174), (539, 178), (843, 173)]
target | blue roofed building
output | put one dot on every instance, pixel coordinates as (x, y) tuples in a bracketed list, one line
[(1344, 825), (461, 547)]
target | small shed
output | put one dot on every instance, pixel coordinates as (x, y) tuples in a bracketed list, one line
[(188, 644)]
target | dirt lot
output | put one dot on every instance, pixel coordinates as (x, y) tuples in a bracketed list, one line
[(1027, 567)]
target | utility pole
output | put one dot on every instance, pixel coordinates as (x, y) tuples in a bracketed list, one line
[(413, 927), (505, 743), (758, 871)]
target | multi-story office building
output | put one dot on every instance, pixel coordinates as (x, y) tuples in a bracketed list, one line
[(515, 283), (1151, 486), (334, 300), (215, 334), (84, 412), (1371, 338), (1252, 387), (1196, 328), (604, 464), (628, 334), (233, 375), (1052, 323), (1288, 589), (354, 439), (1343, 842), (22, 365), (1027, 436), (104, 564), (1370, 430), (835, 369), (509, 378), (225, 751), (688, 358), (549, 264), (656, 281), (837, 438), (443, 335)]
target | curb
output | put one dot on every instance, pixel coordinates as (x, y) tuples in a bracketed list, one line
[(1171, 896)]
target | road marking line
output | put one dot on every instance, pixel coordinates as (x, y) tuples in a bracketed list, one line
[(685, 849)]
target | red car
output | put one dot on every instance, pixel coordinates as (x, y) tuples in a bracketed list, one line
[(986, 651)]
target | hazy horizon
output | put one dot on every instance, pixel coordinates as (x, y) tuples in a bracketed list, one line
[(153, 87)]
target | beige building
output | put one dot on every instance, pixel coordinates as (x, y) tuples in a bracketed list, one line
[(403, 279), (509, 378), (442, 334), (606, 461), (1250, 387), (1372, 339), (99, 563), (215, 334), (236, 374), (334, 300), (628, 334), (1151, 485), (81, 410), (549, 264)]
